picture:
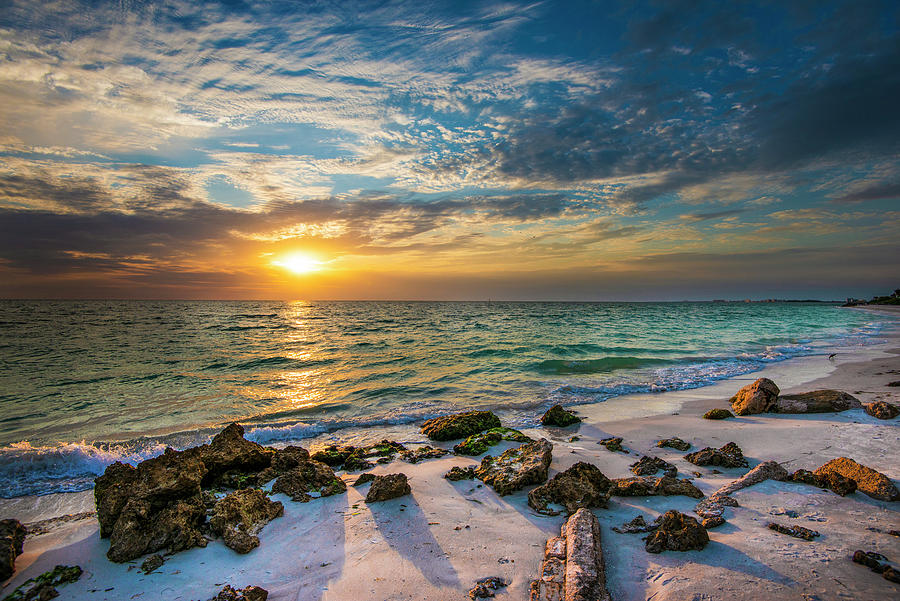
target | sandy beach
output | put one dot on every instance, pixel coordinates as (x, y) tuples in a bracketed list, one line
[(434, 543)]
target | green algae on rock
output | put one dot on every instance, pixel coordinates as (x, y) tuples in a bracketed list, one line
[(517, 468), (558, 416), (479, 443), (44, 586), (460, 425)]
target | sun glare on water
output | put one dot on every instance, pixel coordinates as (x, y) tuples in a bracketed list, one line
[(299, 264)]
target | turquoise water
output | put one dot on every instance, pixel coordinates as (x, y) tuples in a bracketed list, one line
[(84, 383)]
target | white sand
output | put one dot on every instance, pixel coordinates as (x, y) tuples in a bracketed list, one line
[(329, 549)]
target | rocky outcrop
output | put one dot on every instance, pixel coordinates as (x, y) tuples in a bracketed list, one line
[(676, 531), (422, 453), (558, 416), (484, 587), (830, 480), (388, 487), (651, 487), (573, 567), (674, 443), (718, 414), (457, 473), (646, 466), (817, 401), (730, 455), (354, 459), (461, 425), (868, 481), (582, 485), (230, 455), (882, 410), (478, 444), (308, 480), (249, 593), (284, 460), (517, 468), (759, 397), (713, 522), (239, 516), (768, 470), (43, 587), (157, 505), (12, 538), (613, 443)]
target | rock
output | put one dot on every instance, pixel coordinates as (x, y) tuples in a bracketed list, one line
[(229, 451), (573, 567), (457, 473), (387, 487), (461, 425), (895, 383), (333, 455), (730, 455), (712, 522), (152, 563), (647, 466), (674, 443), (484, 587), (891, 574), (868, 481), (831, 480), (759, 397), (239, 516), (284, 460), (768, 470), (582, 485), (43, 587), (870, 559), (635, 526), (478, 444), (718, 414), (309, 477), (714, 506), (557, 416), (613, 444), (817, 401), (12, 538), (364, 479), (795, 531), (882, 410), (517, 468), (157, 505), (422, 453), (650, 487), (676, 531), (250, 593)]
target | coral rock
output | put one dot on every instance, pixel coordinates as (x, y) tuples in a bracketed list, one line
[(309, 477), (239, 517), (795, 531), (676, 531), (868, 481), (817, 401), (388, 487), (558, 416), (647, 466), (759, 397), (674, 443), (882, 410), (517, 468), (582, 485), (481, 442), (718, 414), (250, 593), (461, 425), (730, 455), (457, 473), (767, 470), (613, 444)]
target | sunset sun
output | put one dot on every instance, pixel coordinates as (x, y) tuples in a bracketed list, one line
[(299, 263)]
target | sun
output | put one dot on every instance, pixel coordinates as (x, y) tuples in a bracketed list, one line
[(299, 263)]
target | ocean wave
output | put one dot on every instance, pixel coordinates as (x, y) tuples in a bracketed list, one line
[(70, 467)]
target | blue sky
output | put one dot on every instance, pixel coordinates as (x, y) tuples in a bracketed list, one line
[(522, 150)]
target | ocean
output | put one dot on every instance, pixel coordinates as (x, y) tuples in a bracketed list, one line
[(86, 383)]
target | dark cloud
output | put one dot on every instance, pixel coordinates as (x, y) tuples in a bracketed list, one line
[(878, 191)]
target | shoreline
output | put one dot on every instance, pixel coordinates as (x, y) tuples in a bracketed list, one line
[(410, 547)]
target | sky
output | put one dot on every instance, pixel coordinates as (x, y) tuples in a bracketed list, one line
[(555, 150)]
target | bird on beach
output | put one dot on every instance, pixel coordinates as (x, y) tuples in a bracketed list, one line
[(831, 356)]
